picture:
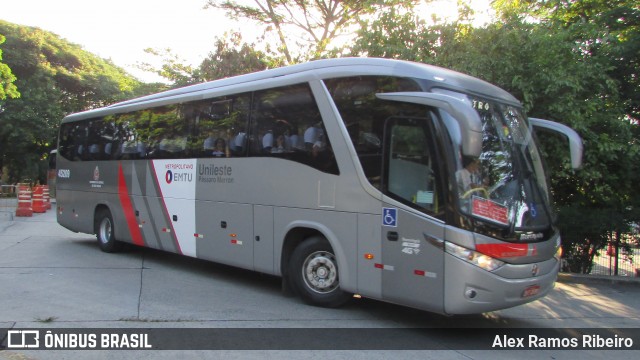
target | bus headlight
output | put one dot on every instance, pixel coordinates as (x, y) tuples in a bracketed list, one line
[(558, 254), (473, 257)]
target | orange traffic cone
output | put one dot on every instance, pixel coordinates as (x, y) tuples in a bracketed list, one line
[(24, 201), (38, 204)]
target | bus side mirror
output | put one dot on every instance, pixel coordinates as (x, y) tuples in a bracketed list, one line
[(575, 142), (462, 112)]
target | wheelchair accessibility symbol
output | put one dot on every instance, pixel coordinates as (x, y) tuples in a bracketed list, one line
[(390, 217)]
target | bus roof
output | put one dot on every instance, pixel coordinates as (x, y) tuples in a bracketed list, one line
[(319, 69)]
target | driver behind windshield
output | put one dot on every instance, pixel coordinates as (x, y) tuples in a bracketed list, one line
[(470, 177)]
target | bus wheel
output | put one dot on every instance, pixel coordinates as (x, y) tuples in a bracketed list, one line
[(105, 234), (313, 270)]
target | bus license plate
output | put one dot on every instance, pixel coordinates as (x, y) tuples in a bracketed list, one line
[(531, 291)]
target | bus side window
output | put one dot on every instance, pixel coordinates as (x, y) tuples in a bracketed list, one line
[(95, 140), (127, 144), (164, 133), (220, 125), (80, 141), (66, 147), (108, 140), (286, 123)]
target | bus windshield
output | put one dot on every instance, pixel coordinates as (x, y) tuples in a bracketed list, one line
[(506, 184)]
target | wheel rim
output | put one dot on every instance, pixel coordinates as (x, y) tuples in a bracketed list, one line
[(320, 272), (105, 230)]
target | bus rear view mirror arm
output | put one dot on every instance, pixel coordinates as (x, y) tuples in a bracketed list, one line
[(575, 142), (465, 115)]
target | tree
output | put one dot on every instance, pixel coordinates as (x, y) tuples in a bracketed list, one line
[(607, 29), (7, 88), (55, 78), (233, 57), (173, 68), (307, 25)]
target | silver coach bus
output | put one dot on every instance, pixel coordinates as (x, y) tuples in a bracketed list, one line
[(393, 180)]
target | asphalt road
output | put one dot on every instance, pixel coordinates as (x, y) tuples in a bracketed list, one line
[(53, 278)]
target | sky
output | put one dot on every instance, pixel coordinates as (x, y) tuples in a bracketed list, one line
[(120, 30)]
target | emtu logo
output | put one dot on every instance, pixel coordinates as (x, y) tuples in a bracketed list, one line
[(170, 177)]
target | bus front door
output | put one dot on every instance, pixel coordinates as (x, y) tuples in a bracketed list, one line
[(412, 254)]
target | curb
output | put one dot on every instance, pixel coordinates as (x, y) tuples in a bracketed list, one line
[(590, 279)]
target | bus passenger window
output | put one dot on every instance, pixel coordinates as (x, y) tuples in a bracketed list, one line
[(95, 141), (80, 140), (164, 132), (66, 146), (287, 124), (220, 125)]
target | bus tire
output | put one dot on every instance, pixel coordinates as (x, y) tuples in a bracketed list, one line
[(313, 272), (105, 233)]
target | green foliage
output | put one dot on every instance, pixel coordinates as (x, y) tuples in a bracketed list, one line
[(608, 30), (232, 56), (7, 88), (395, 34), (173, 68), (304, 29), (56, 78)]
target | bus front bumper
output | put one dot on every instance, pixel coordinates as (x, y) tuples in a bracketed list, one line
[(469, 289)]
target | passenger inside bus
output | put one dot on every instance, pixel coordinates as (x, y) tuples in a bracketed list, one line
[(239, 142), (210, 142), (280, 146), (220, 149), (267, 142)]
